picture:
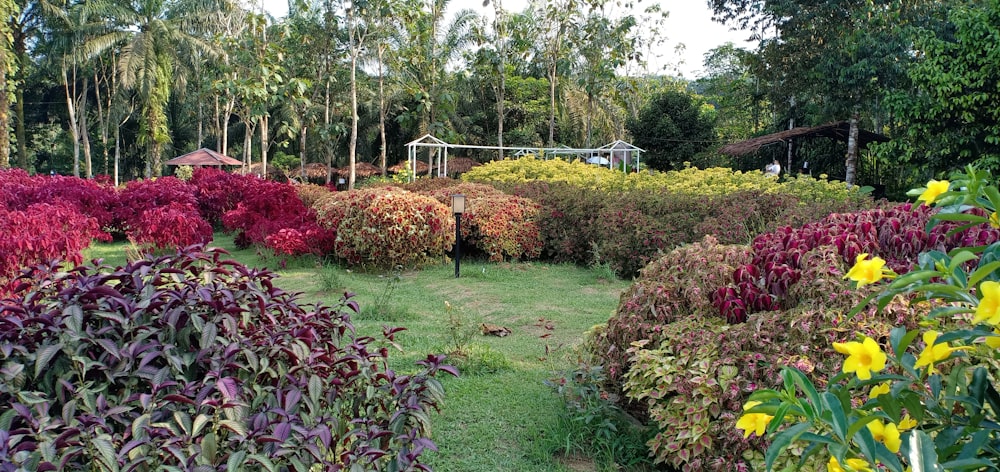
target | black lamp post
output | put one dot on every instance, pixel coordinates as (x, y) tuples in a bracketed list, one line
[(458, 207)]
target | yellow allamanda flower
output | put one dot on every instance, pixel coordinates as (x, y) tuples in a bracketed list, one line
[(856, 465), (906, 423), (868, 271), (989, 304), (753, 422), (934, 189), (879, 389), (863, 357), (887, 434), (995, 220), (934, 353)]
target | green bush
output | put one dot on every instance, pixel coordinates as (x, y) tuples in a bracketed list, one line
[(387, 227)]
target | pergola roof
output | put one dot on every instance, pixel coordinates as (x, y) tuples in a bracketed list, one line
[(203, 157), (619, 145), (838, 130)]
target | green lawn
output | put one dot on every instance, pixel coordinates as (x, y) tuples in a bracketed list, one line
[(498, 412)]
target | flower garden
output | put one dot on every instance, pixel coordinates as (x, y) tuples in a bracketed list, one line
[(793, 325)]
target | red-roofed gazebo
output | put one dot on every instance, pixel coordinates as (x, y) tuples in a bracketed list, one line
[(203, 157)]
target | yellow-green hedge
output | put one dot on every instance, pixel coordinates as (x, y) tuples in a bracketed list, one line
[(691, 180)]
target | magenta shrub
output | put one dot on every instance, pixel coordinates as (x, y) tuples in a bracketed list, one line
[(268, 207), (43, 232), (171, 226), (139, 196), (218, 192)]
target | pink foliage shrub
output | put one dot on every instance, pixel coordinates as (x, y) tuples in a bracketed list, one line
[(170, 226), (43, 232), (140, 196), (218, 192), (18, 190), (387, 226), (268, 207)]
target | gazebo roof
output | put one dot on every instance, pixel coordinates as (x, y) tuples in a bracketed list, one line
[(427, 140), (619, 145), (837, 130), (203, 157), (361, 169)]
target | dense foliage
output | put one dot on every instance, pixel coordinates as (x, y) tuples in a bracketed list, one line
[(195, 362), (387, 227), (922, 396), (673, 345), (268, 208), (672, 128)]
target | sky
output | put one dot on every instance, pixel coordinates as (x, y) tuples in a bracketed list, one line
[(689, 23)]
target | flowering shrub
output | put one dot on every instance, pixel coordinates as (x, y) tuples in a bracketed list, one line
[(387, 226), (43, 232), (171, 226), (902, 403), (194, 362)]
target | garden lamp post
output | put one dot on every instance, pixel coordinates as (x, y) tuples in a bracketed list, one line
[(458, 207)]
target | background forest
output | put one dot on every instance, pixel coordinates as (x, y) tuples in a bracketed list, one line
[(116, 87)]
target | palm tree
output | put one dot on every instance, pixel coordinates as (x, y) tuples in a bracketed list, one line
[(150, 33)]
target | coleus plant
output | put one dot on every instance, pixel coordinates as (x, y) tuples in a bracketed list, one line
[(195, 362)]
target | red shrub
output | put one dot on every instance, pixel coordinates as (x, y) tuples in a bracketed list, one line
[(18, 191), (140, 196), (504, 226), (171, 226), (269, 207), (287, 241), (219, 192), (43, 232)]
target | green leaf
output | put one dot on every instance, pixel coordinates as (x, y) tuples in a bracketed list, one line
[(807, 387), (234, 426), (44, 355), (209, 447), (838, 421), (781, 441), (960, 258), (236, 461), (918, 448), (983, 272), (900, 339)]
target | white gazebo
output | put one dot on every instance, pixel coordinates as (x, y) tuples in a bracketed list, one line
[(611, 155), (620, 153)]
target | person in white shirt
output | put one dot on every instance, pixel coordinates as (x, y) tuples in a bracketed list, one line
[(772, 169)]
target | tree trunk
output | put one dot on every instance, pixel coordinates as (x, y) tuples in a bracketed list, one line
[(352, 145), (85, 132), (263, 144), (118, 152), (381, 108), (4, 109), (552, 104), (500, 113), (103, 120), (226, 113), (74, 128), (302, 152), (326, 123), (851, 165), (590, 117)]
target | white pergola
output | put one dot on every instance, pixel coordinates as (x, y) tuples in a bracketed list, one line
[(438, 151)]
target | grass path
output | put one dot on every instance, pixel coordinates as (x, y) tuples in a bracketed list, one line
[(497, 413)]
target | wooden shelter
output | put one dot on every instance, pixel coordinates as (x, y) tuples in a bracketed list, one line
[(314, 171), (461, 165), (361, 169), (203, 157), (838, 130)]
